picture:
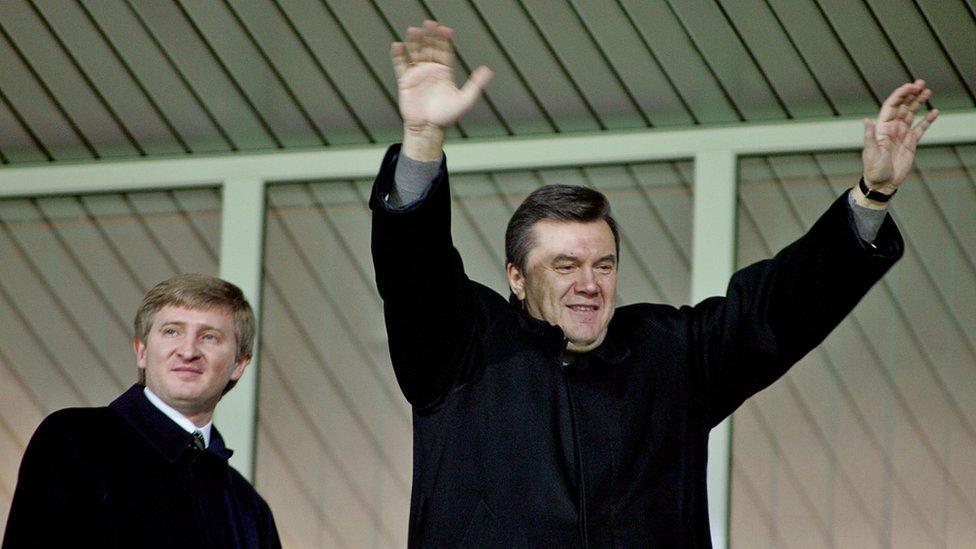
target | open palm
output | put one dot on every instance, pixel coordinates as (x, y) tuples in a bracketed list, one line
[(890, 142), (428, 95)]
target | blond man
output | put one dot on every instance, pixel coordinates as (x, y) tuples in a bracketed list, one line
[(150, 469)]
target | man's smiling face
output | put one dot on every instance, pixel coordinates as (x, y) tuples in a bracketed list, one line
[(189, 356), (570, 279)]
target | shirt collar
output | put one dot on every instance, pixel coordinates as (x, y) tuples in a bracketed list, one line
[(176, 416), (612, 351), (161, 432)]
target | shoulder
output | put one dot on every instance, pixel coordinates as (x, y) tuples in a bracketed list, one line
[(648, 316), (75, 422), (240, 483), (489, 300), (497, 313), (243, 489), (76, 426), (645, 326), (69, 435)]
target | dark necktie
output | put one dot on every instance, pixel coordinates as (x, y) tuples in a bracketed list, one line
[(198, 441)]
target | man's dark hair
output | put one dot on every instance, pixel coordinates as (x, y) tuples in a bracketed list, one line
[(561, 203)]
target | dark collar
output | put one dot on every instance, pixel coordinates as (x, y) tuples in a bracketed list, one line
[(161, 432), (613, 350)]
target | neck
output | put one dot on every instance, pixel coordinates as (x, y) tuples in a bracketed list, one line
[(199, 415), (200, 418)]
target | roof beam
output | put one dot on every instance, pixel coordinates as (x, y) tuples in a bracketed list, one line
[(465, 156)]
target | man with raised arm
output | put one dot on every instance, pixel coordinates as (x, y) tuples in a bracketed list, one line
[(552, 418)]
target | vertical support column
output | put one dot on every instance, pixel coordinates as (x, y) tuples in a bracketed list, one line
[(241, 247), (713, 262)]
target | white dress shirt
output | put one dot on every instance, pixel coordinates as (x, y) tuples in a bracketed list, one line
[(179, 418)]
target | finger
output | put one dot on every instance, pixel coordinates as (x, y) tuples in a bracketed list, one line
[(443, 51), (444, 31), (428, 43), (476, 83), (412, 43), (920, 100), (919, 130), (904, 114), (891, 106), (870, 144), (398, 56), (916, 103)]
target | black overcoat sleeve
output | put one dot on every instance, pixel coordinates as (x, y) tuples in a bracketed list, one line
[(776, 311), (428, 301)]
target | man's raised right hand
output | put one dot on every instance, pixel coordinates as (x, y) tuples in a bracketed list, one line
[(429, 99)]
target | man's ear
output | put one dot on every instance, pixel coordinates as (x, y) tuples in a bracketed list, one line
[(239, 367), (140, 348), (516, 281)]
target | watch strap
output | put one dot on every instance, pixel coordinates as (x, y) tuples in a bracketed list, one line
[(874, 195)]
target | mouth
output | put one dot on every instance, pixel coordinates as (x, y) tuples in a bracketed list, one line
[(584, 312), (186, 371)]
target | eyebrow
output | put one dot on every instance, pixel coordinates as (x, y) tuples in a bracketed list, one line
[(612, 258), (182, 324)]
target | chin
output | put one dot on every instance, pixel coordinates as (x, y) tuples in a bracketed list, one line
[(584, 345), (577, 348)]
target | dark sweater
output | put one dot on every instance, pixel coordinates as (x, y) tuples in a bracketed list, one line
[(127, 476), (512, 448)]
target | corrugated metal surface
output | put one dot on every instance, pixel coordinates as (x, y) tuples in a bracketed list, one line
[(73, 271), (127, 78), (870, 441), (334, 438), (870, 444)]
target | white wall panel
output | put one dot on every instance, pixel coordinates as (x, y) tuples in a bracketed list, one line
[(869, 440)]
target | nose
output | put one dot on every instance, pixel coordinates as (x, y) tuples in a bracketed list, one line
[(586, 284), (187, 349)]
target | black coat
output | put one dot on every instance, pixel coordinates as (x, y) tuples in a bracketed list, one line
[(127, 476), (511, 448)]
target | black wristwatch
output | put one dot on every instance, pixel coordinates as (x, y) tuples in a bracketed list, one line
[(874, 195)]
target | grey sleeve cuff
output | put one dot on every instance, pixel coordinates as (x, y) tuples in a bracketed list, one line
[(411, 179), (867, 220)]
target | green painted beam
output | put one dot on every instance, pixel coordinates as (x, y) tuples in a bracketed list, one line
[(713, 261), (241, 252), (464, 156)]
